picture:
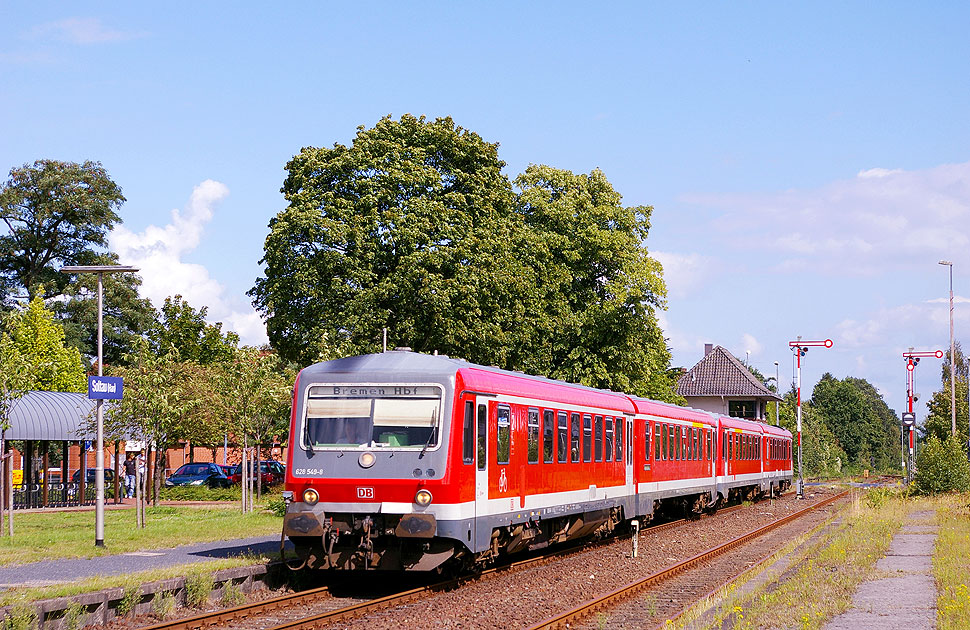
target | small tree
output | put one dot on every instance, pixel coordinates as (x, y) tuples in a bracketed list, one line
[(39, 338), (941, 466), (14, 384)]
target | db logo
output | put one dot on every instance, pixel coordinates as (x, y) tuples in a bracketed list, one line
[(365, 493)]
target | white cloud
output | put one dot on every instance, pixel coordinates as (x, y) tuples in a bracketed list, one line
[(79, 30), (750, 344), (860, 226), (158, 252), (684, 273)]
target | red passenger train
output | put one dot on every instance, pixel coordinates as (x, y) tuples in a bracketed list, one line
[(407, 461)]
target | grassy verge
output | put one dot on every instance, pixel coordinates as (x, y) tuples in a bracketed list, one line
[(951, 563), (822, 585), (46, 536), (21, 595)]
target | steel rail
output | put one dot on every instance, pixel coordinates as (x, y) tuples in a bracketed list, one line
[(624, 592), (227, 615)]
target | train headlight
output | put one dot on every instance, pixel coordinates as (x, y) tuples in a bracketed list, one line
[(423, 498), (366, 459), (310, 496)]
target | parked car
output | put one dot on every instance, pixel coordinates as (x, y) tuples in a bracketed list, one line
[(109, 475), (226, 469), (198, 474), (272, 472)]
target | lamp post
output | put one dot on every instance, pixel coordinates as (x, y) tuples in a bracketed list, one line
[(99, 456), (953, 359), (800, 347), (909, 418), (778, 386)]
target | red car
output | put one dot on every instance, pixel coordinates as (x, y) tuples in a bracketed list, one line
[(272, 472)]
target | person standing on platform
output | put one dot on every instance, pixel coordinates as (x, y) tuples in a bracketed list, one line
[(130, 470)]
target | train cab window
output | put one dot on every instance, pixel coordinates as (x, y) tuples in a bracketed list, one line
[(548, 436), (482, 439), (574, 429), (468, 434), (656, 440), (563, 437), (503, 436), (608, 438), (587, 437), (598, 439), (533, 426)]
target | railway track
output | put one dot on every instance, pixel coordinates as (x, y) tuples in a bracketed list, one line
[(637, 614), (228, 616)]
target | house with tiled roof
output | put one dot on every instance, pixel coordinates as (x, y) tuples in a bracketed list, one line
[(720, 383)]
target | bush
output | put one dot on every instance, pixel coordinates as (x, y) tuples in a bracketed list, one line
[(942, 467), (277, 505), (197, 589), (199, 493)]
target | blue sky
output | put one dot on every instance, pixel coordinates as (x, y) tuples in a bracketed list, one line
[(808, 165)]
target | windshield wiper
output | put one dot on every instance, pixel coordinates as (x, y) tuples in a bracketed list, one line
[(434, 430)]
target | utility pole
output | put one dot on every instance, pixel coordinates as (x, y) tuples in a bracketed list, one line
[(953, 359)]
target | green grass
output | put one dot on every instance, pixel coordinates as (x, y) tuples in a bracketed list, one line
[(16, 596), (52, 535), (822, 585), (951, 563)]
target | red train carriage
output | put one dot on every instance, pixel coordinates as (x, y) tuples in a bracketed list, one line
[(777, 457), (678, 456), (408, 461)]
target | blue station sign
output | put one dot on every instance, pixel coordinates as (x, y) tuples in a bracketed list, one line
[(105, 387)]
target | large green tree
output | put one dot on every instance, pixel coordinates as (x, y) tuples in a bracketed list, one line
[(939, 420), (415, 228), (184, 330), (410, 228), (56, 213), (598, 287)]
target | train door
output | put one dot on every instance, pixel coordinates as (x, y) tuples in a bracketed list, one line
[(483, 531), (629, 436)]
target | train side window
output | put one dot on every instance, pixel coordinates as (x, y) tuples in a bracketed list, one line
[(548, 436), (679, 444), (574, 429), (671, 449), (563, 436), (656, 440), (693, 444), (646, 441), (618, 434), (468, 434), (723, 447), (587, 437), (503, 436), (710, 445), (482, 433), (608, 438), (598, 437), (688, 434), (533, 426), (665, 447)]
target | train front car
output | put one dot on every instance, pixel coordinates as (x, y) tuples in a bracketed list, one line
[(368, 476)]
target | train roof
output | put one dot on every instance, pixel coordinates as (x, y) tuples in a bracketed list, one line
[(481, 378), (670, 410)]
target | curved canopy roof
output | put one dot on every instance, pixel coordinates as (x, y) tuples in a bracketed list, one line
[(51, 416)]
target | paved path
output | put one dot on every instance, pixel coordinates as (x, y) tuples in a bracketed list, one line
[(907, 599), (72, 569)]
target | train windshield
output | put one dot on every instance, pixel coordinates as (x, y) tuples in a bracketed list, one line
[(338, 416)]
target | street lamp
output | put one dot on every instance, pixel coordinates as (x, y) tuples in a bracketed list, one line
[(99, 456), (800, 347), (778, 387), (953, 359)]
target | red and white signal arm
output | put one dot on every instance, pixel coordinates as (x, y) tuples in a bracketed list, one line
[(909, 418)]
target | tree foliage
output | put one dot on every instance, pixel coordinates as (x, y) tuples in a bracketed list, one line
[(56, 213), (939, 421), (39, 339), (942, 466), (860, 421), (125, 315), (415, 228), (183, 330)]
